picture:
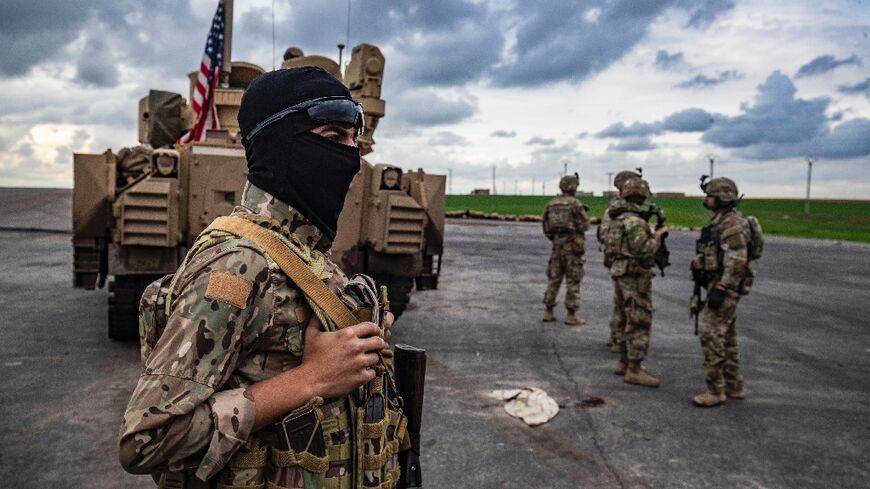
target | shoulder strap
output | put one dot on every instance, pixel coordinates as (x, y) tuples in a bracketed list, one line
[(291, 264)]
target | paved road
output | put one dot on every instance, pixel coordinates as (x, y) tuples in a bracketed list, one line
[(804, 339)]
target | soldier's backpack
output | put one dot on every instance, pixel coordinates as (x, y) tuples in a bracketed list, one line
[(613, 241), (755, 247), (561, 218)]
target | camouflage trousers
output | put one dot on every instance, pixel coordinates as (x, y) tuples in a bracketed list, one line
[(617, 318), (636, 310), (566, 260), (719, 342)]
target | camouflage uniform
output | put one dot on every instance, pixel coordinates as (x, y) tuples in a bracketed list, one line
[(568, 254), (617, 316), (631, 245), (192, 409), (724, 259)]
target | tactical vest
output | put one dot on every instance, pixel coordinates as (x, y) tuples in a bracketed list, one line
[(561, 218), (617, 256), (347, 443)]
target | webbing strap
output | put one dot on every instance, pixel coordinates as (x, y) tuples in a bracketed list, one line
[(291, 264)]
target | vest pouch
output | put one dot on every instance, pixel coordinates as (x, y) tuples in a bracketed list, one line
[(381, 426), (711, 258), (300, 459), (619, 268)]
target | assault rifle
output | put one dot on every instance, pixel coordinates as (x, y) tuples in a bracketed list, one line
[(663, 255), (410, 368)]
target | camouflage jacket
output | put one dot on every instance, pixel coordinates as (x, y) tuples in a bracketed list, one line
[(604, 225), (630, 244), (722, 250), (579, 221), (235, 320)]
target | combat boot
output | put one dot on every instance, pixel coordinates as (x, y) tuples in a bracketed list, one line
[(708, 399), (548, 315), (621, 367), (635, 374), (735, 393), (573, 320)]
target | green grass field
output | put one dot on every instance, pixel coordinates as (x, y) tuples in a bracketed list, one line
[(842, 220)]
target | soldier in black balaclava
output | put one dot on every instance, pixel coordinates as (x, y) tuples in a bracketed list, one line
[(251, 381)]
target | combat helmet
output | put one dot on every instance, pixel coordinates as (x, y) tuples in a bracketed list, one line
[(635, 187), (724, 189), (623, 176), (569, 183)]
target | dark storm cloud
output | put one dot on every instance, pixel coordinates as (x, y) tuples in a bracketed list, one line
[(541, 141), (447, 138), (96, 65), (824, 64), (704, 81), (556, 41), (33, 32), (777, 125), (501, 133), (856, 89), (686, 120), (669, 61), (707, 11), (427, 108), (160, 37), (776, 117), (633, 143)]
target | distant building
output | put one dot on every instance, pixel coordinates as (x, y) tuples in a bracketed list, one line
[(480, 191), (670, 195), (609, 193), (585, 194)]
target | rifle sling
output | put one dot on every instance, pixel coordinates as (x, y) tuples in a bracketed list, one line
[(291, 264)]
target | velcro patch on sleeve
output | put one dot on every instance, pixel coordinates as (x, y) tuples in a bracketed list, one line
[(229, 289)]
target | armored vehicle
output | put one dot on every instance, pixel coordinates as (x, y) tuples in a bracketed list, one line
[(136, 212)]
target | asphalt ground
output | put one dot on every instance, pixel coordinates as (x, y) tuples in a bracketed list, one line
[(805, 350)]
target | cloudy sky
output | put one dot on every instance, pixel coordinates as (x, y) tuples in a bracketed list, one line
[(527, 87)]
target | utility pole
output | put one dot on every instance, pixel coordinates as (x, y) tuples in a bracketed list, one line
[(810, 161), (543, 188), (494, 189), (566, 168), (450, 181), (712, 159), (609, 179)]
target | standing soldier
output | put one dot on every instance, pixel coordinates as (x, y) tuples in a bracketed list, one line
[(251, 382), (617, 318), (630, 247), (565, 222), (727, 244)]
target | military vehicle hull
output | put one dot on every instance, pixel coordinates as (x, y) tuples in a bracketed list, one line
[(135, 213)]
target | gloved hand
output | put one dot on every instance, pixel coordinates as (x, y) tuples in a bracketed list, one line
[(717, 297)]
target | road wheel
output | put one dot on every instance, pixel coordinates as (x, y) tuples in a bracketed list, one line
[(398, 291), (124, 294)]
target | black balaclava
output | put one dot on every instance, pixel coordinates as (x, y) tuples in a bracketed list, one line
[(308, 172)]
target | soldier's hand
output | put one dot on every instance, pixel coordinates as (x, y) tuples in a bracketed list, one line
[(389, 324), (662, 230), (341, 360), (716, 298)]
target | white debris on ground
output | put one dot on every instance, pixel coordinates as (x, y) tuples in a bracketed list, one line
[(530, 404)]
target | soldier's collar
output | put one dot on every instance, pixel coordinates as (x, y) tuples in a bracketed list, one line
[(285, 219)]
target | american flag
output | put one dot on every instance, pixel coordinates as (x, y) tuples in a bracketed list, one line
[(207, 80)]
